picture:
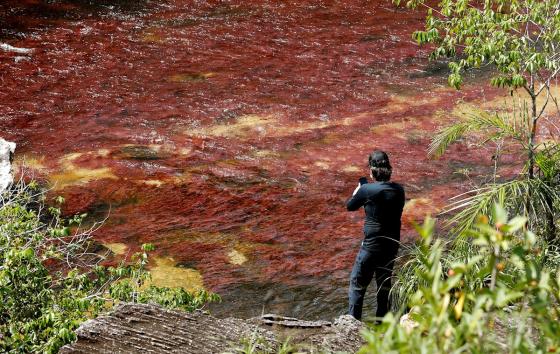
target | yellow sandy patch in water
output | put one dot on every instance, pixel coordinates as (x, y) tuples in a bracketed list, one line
[(153, 182), (465, 110), (191, 77), (266, 153), (32, 162), (181, 179), (402, 129), (243, 127), (521, 95), (73, 175), (401, 103), (166, 273), (116, 247), (419, 207), (322, 164), (103, 152), (332, 138), (389, 127), (237, 258), (505, 101), (351, 168), (185, 151), (150, 36), (76, 176), (249, 126), (68, 158)]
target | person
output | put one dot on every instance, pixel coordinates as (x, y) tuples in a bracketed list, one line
[(383, 202)]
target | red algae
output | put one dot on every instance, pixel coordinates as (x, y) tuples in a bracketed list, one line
[(230, 134)]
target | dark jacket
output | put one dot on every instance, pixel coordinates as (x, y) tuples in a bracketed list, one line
[(383, 203)]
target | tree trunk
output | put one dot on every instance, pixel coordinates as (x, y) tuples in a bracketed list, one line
[(550, 222), (533, 135)]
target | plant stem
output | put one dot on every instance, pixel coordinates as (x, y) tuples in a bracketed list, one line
[(533, 134), (494, 262)]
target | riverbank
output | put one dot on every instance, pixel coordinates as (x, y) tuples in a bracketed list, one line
[(135, 328)]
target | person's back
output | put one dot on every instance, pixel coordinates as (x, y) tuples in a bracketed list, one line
[(383, 202)]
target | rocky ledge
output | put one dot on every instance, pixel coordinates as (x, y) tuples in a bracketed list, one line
[(139, 328), (6, 155)]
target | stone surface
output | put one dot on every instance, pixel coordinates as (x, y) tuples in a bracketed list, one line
[(7, 150), (408, 323), (140, 328)]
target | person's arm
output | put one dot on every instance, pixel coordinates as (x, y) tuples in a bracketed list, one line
[(357, 200), (403, 199)]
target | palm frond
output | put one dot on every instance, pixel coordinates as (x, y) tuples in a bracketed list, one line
[(447, 136), (547, 159), (502, 125), (493, 125), (524, 196)]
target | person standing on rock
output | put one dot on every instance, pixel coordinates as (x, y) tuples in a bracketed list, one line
[(383, 202)]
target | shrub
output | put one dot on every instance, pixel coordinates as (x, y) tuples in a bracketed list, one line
[(514, 308), (50, 281)]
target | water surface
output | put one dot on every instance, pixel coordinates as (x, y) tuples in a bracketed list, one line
[(230, 133)]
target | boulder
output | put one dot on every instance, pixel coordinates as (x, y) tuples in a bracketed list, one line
[(141, 328), (7, 150)]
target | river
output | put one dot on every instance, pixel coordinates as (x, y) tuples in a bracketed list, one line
[(230, 133)]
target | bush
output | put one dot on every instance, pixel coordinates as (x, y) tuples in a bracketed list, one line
[(50, 281), (512, 306)]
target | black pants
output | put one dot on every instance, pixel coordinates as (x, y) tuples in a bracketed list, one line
[(369, 262)]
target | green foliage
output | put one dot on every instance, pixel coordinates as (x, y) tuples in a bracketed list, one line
[(524, 196), (507, 273), (258, 345), (409, 276), (534, 197), (50, 282), (518, 37), (512, 307), (495, 127)]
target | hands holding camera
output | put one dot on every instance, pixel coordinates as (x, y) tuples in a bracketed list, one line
[(363, 180)]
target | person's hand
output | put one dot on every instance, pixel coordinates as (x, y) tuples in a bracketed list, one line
[(356, 190)]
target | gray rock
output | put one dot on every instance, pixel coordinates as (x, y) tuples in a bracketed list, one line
[(7, 150), (140, 328), (8, 48)]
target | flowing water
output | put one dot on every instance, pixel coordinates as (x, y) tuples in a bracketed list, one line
[(230, 133)]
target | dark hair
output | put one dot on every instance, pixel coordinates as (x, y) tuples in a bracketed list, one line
[(380, 166)]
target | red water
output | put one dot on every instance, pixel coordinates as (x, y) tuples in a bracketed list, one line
[(255, 117)]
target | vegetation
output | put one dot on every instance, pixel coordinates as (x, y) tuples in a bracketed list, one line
[(493, 279), (536, 196), (50, 281), (504, 298), (518, 37), (520, 40), (257, 345)]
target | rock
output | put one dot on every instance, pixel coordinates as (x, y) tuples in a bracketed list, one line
[(7, 150), (271, 319), (139, 152), (8, 48), (408, 323), (348, 323), (141, 328)]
